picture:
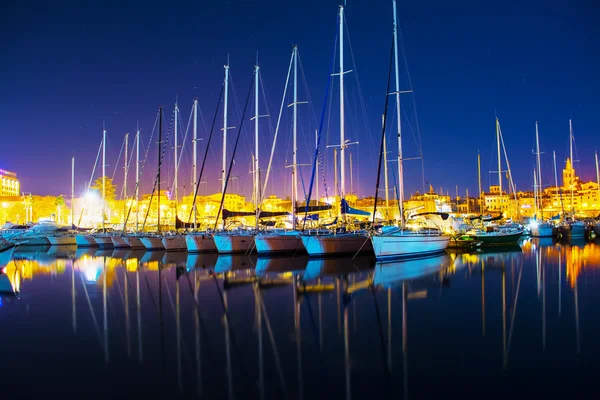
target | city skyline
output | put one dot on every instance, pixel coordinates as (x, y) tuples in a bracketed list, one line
[(71, 71)]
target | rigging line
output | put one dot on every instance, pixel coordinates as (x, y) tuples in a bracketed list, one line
[(234, 151), (287, 79), (160, 160), (320, 131), (128, 169), (143, 162), (118, 160), (89, 184), (512, 183), (307, 92), (183, 142), (212, 128), (381, 149)]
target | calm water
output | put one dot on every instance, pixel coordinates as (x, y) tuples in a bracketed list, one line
[(95, 324)]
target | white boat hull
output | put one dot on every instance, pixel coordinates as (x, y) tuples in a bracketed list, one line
[(174, 243), (274, 243), (227, 244), (62, 240), (197, 243), (85, 241), (33, 241), (408, 245), (6, 256), (346, 243), (134, 242), (119, 242), (152, 243)]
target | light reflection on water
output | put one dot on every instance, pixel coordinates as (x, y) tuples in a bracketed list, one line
[(501, 321)]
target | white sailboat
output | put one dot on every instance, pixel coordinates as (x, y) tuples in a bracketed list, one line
[(571, 228), (239, 240), (103, 239), (393, 242), (134, 241), (287, 241), (339, 242), (539, 228)]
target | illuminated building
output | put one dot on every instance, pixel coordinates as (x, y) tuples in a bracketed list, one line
[(10, 183)]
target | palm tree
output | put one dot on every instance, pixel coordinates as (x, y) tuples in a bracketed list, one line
[(60, 201)]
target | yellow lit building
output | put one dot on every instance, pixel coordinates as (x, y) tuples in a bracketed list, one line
[(575, 195), (10, 183)]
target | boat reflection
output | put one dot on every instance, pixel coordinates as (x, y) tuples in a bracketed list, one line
[(393, 274), (201, 261)]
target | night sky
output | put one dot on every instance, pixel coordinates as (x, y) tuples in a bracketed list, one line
[(69, 66)]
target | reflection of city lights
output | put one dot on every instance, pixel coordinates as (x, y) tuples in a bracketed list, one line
[(91, 273)]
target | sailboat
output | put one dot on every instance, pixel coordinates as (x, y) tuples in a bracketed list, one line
[(288, 241), (239, 240), (341, 241), (539, 228), (118, 240), (175, 242), (570, 228), (597, 226), (498, 235), (397, 242)]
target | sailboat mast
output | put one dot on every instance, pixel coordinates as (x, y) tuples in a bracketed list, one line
[(479, 181), (73, 188), (103, 179), (572, 164), (175, 157), (137, 177), (342, 126), (255, 166), (385, 171), (195, 154), (539, 170), (295, 145), (317, 165), (499, 161), (125, 170), (160, 118), (535, 193), (225, 99), (397, 78)]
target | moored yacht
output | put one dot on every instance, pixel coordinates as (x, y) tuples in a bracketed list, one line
[(153, 242), (199, 242), (337, 243), (279, 242), (84, 240), (238, 241), (572, 230), (174, 242), (394, 242)]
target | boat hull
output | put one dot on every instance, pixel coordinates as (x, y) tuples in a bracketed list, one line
[(85, 241), (199, 243), (572, 231), (152, 243), (104, 242), (119, 242), (542, 231), (6, 255), (497, 238), (271, 244), (62, 240), (408, 245), (227, 244), (174, 243), (34, 241), (326, 245), (134, 242)]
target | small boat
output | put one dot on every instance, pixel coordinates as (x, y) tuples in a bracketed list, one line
[(395, 242), (234, 242), (279, 242), (543, 229), (463, 242), (62, 240), (152, 242), (85, 241), (336, 244), (494, 236), (572, 230)]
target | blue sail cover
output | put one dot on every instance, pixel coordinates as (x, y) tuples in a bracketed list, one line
[(346, 209)]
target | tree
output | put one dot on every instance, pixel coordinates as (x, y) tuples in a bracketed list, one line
[(111, 189)]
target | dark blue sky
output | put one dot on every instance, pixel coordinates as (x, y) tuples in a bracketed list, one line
[(67, 68)]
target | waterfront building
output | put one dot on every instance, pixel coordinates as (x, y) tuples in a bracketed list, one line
[(9, 183)]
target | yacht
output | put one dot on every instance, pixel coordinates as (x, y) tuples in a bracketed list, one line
[(199, 242)]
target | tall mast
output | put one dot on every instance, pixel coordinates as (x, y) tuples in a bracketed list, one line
[(103, 178), (499, 162), (317, 185), (351, 180), (160, 118), (397, 78), (539, 170), (255, 166), (194, 150), (295, 148), (535, 193), (572, 165), (125, 177), (137, 177), (342, 127), (479, 181), (385, 171), (175, 157), (224, 167), (556, 184), (73, 188)]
